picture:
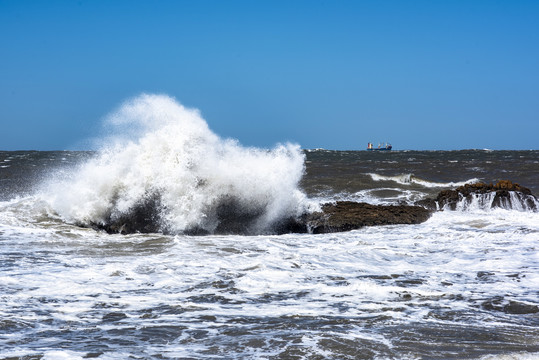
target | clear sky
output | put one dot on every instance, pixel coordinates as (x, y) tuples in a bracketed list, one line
[(323, 74)]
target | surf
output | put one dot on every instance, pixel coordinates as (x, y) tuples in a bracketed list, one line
[(162, 165)]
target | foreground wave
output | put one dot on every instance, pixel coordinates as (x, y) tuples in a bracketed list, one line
[(461, 285)]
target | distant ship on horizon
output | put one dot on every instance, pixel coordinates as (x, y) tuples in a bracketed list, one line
[(386, 147)]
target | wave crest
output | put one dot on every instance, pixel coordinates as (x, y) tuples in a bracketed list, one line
[(164, 166), (408, 179)]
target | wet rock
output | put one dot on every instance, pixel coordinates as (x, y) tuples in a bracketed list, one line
[(512, 307), (348, 215), (334, 217), (495, 304), (233, 218), (429, 204), (515, 307), (485, 276), (504, 193), (114, 316), (227, 218), (144, 217)]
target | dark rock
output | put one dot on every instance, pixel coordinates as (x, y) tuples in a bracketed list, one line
[(512, 307), (92, 355), (484, 275), (340, 216), (114, 316), (348, 215), (502, 196), (515, 307), (429, 204), (228, 217), (144, 217), (494, 304), (231, 217), (235, 218)]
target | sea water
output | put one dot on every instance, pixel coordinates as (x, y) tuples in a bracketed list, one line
[(464, 284)]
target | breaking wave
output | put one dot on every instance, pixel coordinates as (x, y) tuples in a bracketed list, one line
[(162, 166), (408, 179)]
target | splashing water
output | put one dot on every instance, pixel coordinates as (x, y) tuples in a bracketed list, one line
[(163, 163), (485, 202)]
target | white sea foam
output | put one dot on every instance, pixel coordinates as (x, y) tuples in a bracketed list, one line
[(512, 356), (408, 179), (265, 293), (377, 196), (484, 202), (161, 150), (454, 283)]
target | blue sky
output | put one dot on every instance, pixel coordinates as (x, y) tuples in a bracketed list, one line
[(323, 74)]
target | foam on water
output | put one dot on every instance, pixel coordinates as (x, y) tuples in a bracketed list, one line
[(376, 196), (407, 179), (513, 356), (164, 156), (412, 291)]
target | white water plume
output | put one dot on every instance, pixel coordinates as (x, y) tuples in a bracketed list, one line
[(163, 154)]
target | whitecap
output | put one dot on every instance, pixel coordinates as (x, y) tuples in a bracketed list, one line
[(408, 179)]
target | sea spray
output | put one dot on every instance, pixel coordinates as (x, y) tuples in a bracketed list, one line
[(163, 167)]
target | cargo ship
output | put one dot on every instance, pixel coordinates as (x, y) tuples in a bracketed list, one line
[(386, 147)]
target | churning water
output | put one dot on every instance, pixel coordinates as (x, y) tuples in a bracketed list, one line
[(464, 284)]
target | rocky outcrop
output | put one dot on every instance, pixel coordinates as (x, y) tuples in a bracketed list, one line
[(348, 215), (504, 194), (232, 218), (333, 217), (511, 307), (142, 218)]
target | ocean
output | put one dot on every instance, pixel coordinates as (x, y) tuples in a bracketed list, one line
[(462, 285)]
